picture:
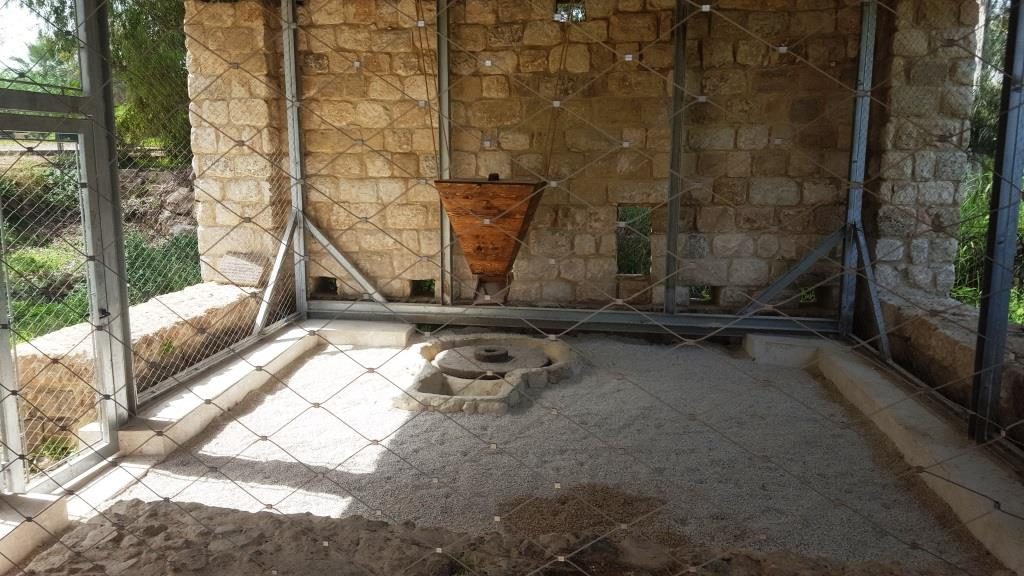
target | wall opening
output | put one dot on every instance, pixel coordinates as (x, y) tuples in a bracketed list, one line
[(567, 11), (701, 294), (633, 240), (325, 285), (421, 288)]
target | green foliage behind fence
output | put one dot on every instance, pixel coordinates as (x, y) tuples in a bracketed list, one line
[(45, 261)]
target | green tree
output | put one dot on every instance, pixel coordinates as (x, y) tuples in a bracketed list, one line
[(985, 116), (49, 67), (148, 52), (148, 63)]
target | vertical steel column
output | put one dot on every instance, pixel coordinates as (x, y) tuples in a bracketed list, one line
[(858, 163), (675, 182), (12, 467), (295, 161), (1001, 247), (444, 152), (101, 213)]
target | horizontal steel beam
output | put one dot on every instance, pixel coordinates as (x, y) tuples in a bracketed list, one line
[(570, 318), (32, 123), (44, 102)]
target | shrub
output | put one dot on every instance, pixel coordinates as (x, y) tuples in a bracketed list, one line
[(162, 267), (49, 290), (970, 257)]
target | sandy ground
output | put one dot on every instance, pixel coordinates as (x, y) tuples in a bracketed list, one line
[(718, 451), (184, 538)]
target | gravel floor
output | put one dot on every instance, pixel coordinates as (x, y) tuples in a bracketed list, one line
[(738, 455)]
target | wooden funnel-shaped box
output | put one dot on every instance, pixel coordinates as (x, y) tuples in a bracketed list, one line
[(490, 218)]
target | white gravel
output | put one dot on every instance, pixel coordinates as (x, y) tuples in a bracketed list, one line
[(723, 441)]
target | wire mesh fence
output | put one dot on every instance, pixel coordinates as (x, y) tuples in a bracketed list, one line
[(47, 286), (677, 449)]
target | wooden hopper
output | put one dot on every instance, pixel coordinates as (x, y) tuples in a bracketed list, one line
[(490, 218)]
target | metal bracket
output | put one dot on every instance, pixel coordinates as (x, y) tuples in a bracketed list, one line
[(343, 262), (763, 298), (275, 271)]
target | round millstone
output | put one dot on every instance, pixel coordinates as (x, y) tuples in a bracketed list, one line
[(489, 360), (493, 354)]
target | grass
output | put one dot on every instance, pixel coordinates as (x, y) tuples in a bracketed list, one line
[(51, 451), (970, 257), (49, 290), (633, 241)]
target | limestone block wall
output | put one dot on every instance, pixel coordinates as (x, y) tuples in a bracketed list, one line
[(238, 146), (768, 114), (927, 56), (584, 105), (767, 137), (934, 338), (369, 122), (767, 154)]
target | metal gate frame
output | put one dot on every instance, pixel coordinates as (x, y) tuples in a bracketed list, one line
[(91, 117)]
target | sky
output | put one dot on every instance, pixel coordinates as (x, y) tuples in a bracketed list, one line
[(18, 28)]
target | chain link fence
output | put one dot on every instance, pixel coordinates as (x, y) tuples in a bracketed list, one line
[(677, 454)]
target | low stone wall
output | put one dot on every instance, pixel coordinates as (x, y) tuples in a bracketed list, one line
[(934, 338), (169, 333)]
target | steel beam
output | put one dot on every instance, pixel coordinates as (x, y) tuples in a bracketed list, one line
[(675, 182), (858, 162), (763, 298), (1001, 245), (344, 263), (42, 102), (101, 212), (296, 168), (613, 321), (876, 304), (444, 150), (12, 467), (32, 123), (275, 272)]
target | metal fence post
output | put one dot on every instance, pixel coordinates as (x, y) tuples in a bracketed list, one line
[(858, 163), (675, 183), (444, 161), (12, 477), (102, 215), (1001, 245), (295, 161)]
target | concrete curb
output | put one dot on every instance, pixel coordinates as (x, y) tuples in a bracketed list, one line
[(979, 490)]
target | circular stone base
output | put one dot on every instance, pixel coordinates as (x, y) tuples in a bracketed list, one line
[(463, 362)]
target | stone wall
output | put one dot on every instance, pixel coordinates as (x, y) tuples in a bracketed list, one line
[(934, 338), (238, 145), (369, 122), (927, 67), (585, 105), (768, 154)]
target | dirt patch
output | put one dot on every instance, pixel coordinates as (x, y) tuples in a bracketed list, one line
[(164, 538), (586, 507)]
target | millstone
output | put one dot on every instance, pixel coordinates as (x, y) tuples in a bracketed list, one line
[(477, 361)]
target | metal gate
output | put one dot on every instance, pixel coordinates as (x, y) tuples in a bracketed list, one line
[(63, 319)]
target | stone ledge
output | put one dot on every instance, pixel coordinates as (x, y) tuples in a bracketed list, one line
[(160, 428), (922, 437), (168, 330), (934, 338), (176, 418), (19, 539)]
